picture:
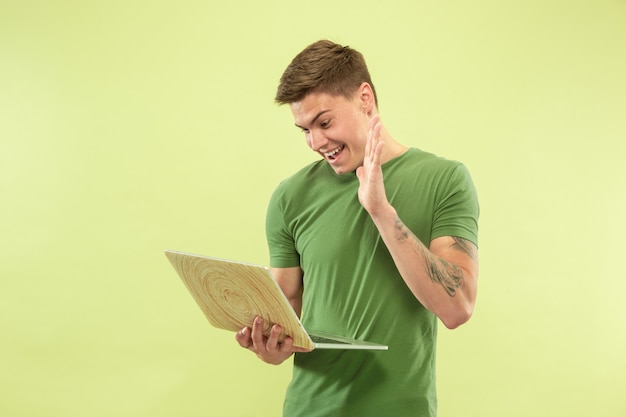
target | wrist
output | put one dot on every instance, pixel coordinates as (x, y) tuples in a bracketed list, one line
[(386, 214)]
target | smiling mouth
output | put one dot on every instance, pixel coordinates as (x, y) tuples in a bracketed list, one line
[(332, 155)]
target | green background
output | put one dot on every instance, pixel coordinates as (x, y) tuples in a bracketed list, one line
[(130, 127)]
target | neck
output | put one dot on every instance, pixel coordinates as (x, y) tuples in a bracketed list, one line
[(392, 148)]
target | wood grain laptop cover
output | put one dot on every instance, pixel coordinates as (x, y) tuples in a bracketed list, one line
[(231, 294)]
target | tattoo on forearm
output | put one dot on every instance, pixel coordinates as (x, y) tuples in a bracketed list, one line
[(448, 275), (403, 232), (440, 271)]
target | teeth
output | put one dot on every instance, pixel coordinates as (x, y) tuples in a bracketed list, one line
[(331, 153)]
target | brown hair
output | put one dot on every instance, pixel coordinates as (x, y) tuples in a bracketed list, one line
[(323, 66)]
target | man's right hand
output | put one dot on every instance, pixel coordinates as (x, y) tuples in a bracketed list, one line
[(268, 349)]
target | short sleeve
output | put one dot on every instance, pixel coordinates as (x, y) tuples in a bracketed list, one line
[(280, 240), (457, 210)]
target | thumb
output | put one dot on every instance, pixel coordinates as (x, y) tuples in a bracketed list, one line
[(359, 172)]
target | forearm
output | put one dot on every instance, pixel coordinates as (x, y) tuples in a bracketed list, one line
[(290, 282), (445, 287), (296, 304)]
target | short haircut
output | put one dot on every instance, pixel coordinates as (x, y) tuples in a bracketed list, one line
[(323, 67)]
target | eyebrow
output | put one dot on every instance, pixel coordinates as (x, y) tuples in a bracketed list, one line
[(317, 116)]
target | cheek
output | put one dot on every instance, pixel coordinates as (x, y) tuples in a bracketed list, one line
[(360, 140)]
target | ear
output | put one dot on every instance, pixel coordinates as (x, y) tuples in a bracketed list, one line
[(366, 97)]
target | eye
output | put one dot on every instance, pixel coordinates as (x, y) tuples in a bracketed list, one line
[(325, 124)]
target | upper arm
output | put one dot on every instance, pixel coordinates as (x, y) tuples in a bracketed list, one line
[(290, 282)]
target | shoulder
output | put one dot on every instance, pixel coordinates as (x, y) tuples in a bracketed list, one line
[(314, 168), (299, 181), (419, 156), (427, 166), (433, 177)]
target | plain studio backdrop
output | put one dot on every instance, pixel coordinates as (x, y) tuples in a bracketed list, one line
[(130, 127)]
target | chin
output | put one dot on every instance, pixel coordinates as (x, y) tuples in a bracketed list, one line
[(342, 170)]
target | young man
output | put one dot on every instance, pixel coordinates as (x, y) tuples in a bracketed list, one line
[(376, 241)]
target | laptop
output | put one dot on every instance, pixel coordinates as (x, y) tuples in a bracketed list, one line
[(231, 294)]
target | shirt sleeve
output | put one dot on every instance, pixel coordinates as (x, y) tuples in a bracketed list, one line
[(280, 240), (457, 211)]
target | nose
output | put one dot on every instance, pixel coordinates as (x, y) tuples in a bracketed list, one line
[(316, 140)]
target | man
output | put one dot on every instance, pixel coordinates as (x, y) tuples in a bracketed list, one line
[(376, 241)]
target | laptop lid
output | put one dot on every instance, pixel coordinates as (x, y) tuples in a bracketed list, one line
[(231, 294)]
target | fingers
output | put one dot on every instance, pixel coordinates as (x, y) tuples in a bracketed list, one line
[(257, 334), (374, 145), (268, 349), (243, 337), (272, 341), (254, 339)]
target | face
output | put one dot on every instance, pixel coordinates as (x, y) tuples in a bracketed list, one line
[(335, 127)]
